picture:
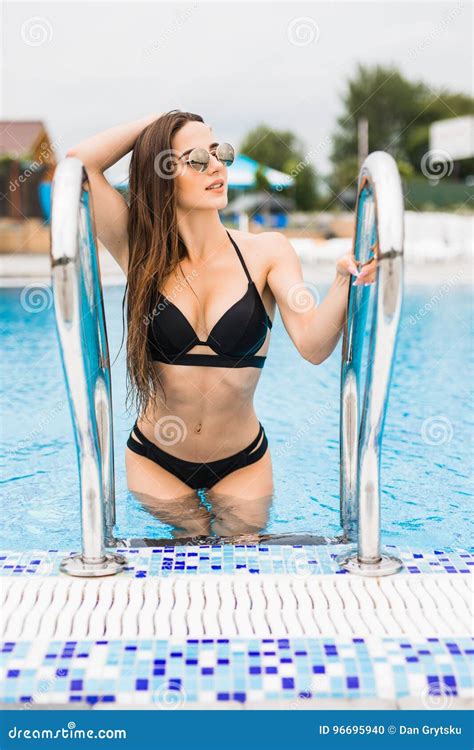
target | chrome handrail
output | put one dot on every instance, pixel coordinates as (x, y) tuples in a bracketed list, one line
[(379, 234), (82, 337)]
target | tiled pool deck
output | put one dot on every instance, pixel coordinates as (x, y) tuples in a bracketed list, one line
[(241, 627), (234, 559)]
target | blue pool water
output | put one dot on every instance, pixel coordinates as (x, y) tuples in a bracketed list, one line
[(426, 474)]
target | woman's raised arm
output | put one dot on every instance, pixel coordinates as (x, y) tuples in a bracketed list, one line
[(100, 151), (110, 210)]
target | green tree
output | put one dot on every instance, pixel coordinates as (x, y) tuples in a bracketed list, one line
[(399, 113), (282, 150), (261, 182)]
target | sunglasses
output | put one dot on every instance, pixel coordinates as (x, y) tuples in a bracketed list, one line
[(199, 158)]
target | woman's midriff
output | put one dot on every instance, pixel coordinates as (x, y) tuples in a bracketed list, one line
[(208, 413)]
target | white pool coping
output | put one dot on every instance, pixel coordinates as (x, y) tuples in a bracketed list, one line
[(391, 624)]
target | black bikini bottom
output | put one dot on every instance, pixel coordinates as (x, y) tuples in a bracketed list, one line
[(194, 474)]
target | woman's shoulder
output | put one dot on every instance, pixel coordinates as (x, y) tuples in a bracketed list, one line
[(264, 245), (262, 251)]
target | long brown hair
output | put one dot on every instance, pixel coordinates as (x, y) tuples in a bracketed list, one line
[(155, 247)]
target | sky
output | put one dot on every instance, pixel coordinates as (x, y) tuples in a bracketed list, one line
[(84, 67)]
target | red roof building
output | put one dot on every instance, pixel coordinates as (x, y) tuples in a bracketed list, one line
[(27, 157)]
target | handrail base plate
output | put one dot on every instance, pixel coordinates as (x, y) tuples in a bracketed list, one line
[(109, 566), (386, 566)]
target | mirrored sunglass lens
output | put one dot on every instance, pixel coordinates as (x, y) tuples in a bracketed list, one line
[(225, 153), (199, 159)]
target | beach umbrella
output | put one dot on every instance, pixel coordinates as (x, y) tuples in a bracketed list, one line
[(242, 174)]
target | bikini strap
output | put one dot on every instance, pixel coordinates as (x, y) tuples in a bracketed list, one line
[(240, 256), (139, 434), (145, 444), (269, 322), (254, 442)]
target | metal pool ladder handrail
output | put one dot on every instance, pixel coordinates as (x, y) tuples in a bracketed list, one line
[(82, 335), (379, 234)]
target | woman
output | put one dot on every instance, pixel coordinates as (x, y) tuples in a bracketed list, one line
[(200, 304)]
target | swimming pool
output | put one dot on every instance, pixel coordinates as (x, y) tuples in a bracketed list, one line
[(426, 476)]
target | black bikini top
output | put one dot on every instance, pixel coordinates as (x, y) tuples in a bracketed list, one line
[(235, 338)]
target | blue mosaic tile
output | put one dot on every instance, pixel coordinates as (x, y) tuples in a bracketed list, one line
[(235, 670), (239, 560)]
